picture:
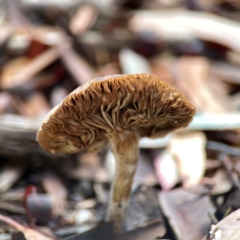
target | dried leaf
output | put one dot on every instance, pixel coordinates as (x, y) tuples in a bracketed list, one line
[(76, 65), (10, 174), (6, 31), (133, 63), (10, 207), (83, 18), (212, 121), (45, 34), (28, 108), (108, 69), (143, 208), (189, 152), (226, 72), (30, 234), (187, 212), (56, 189), (222, 183), (166, 169), (182, 25), (11, 69), (29, 69), (193, 73)]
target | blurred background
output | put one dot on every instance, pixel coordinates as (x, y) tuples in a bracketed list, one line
[(185, 181)]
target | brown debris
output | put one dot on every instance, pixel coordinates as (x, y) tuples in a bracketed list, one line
[(83, 19), (192, 79), (56, 190), (184, 209), (10, 174), (228, 228), (26, 69), (30, 234)]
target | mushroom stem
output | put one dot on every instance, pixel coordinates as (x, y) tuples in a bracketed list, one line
[(124, 146)]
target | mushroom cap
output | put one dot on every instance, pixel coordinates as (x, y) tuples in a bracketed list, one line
[(135, 102)]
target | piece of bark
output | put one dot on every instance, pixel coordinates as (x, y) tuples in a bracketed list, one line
[(188, 213), (215, 121), (23, 24), (28, 108), (6, 30), (222, 183), (143, 208), (5, 101), (226, 72), (223, 148), (104, 232), (231, 137), (189, 152), (10, 69), (108, 69), (10, 174), (228, 165), (218, 184), (192, 74), (162, 67), (29, 69), (56, 189), (76, 65), (152, 230), (30, 234), (87, 204), (212, 164), (182, 25), (10, 207), (132, 63), (16, 195), (14, 13), (37, 83), (233, 57), (83, 18), (45, 34)]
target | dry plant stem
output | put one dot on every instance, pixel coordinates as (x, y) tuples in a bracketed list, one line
[(124, 146)]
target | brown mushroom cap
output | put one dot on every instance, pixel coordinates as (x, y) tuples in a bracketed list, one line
[(137, 102)]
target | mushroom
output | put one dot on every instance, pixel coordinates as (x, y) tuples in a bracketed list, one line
[(119, 109)]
